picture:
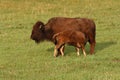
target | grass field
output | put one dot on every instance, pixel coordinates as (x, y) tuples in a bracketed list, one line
[(22, 59)]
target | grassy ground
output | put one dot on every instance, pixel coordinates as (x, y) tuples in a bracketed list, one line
[(22, 59)]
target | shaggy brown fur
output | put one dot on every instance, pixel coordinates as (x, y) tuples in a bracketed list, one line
[(55, 25)]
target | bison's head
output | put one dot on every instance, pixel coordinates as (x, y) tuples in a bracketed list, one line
[(38, 32)]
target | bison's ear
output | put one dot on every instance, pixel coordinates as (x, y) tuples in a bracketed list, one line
[(42, 28)]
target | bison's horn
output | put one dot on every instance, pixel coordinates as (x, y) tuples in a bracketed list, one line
[(40, 27)]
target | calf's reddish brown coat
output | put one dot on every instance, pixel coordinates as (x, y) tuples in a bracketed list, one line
[(74, 38)]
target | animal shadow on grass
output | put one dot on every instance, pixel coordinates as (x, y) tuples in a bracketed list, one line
[(102, 45), (99, 46)]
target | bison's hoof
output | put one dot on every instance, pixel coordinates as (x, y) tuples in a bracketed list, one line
[(78, 55), (55, 56)]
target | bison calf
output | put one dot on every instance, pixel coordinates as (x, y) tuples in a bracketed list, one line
[(74, 38)]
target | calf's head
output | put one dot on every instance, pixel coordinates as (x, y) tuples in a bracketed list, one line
[(38, 32)]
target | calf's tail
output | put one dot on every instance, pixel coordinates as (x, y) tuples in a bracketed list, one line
[(55, 38)]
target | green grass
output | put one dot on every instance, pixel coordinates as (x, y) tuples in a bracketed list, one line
[(22, 59)]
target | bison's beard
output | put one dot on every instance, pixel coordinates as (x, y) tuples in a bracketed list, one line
[(38, 40)]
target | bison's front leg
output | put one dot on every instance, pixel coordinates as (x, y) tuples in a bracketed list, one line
[(55, 52), (59, 52), (62, 50)]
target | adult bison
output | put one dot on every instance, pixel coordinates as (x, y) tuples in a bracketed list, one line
[(46, 31)]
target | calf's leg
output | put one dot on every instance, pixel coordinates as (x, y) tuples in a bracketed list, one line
[(82, 46), (62, 50), (77, 49), (83, 50), (59, 52), (57, 49)]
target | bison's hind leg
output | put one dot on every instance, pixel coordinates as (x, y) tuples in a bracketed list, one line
[(77, 49), (92, 44), (83, 50), (82, 47)]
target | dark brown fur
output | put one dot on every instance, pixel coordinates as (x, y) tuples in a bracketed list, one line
[(46, 31)]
